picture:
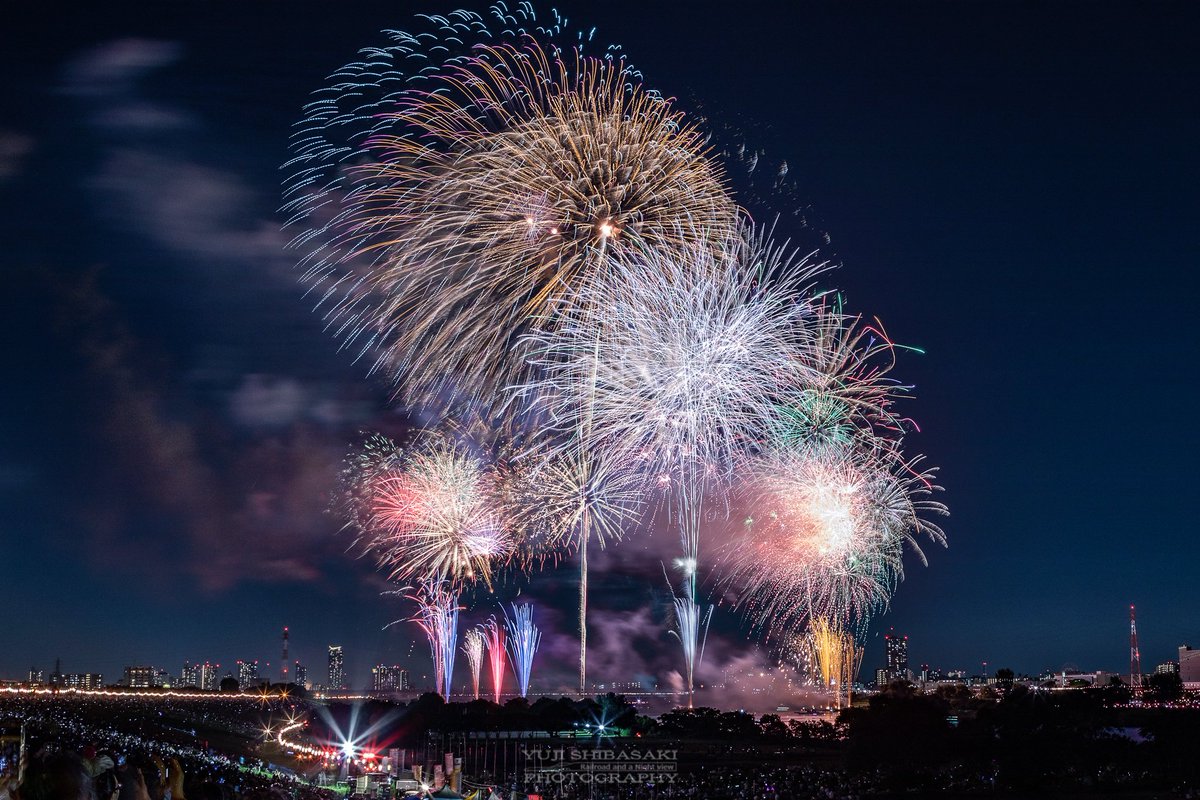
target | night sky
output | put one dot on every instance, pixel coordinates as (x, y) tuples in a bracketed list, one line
[(1011, 187)]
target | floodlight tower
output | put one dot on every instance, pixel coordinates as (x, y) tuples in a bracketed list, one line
[(1135, 657)]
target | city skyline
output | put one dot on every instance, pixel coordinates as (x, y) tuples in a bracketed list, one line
[(178, 417), (890, 659)]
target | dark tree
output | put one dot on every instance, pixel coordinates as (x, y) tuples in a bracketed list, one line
[(773, 728), (1165, 687), (902, 733)]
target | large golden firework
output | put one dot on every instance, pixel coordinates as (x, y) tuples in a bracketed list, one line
[(493, 186)]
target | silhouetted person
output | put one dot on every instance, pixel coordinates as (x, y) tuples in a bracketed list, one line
[(59, 775)]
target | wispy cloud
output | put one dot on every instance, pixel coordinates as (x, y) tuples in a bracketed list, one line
[(228, 461), (115, 67), (221, 508), (203, 214), (15, 148)]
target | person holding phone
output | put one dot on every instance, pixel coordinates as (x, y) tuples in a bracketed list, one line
[(133, 785)]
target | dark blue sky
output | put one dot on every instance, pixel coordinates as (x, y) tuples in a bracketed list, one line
[(1012, 187)]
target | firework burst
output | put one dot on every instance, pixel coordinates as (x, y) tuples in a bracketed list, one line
[(432, 512), (676, 360), (568, 498), (476, 196), (844, 396), (825, 535)]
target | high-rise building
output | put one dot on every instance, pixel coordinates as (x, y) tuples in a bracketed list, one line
[(1168, 668), (897, 656), (881, 677), (247, 673), (190, 675), (206, 675), (83, 680), (300, 675), (139, 677), (1189, 666), (162, 679), (37, 677), (337, 675), (389, 679)]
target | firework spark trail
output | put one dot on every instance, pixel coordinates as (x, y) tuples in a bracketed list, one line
[(569, 498), (835, 655), (691, 621), (434, 511), (825, 535), (437, 616), (478, 194), (523, 640), (473, 646), (494, 637)]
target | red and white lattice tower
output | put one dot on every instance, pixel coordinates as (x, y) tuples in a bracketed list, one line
[(1135, 658), (284, 675)]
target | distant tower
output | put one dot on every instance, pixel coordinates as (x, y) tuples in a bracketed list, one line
[(337, 675), (1135, 658), (897, 656), (283, 678)]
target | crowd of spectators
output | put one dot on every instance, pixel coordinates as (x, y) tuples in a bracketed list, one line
[(900, 742), (131, 750)]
